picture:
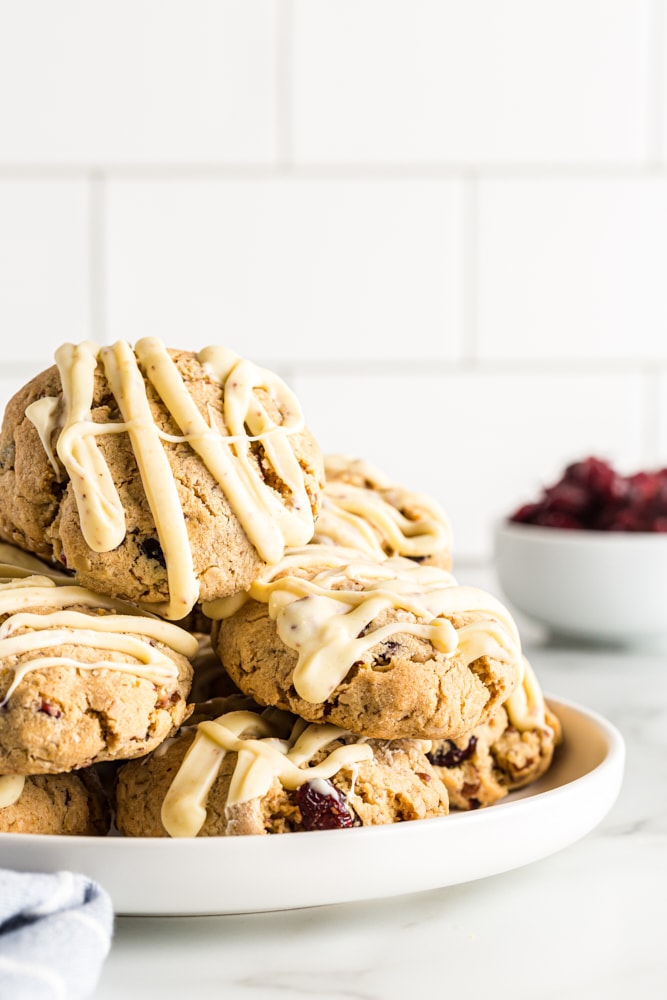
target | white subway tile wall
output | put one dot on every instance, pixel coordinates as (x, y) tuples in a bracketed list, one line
[(661, 416), (441, 81), (305, 270), (137, 81), (44, 265), (478, 442), (444, 223), (584, 274)]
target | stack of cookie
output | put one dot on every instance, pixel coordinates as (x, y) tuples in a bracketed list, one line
[(165, 495)]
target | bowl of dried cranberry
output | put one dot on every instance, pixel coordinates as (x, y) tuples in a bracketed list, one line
[(588, 558)]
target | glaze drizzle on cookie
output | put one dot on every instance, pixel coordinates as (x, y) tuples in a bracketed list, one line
[(11, 788), (362, 509), (270, 520), (265, 750), (324, 602), (26, 634), (526, 707)]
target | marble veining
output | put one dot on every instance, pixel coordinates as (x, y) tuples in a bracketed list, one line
[(586, 923)]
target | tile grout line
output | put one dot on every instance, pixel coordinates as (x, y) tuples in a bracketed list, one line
[(654, 83), (431, 366), (651, 416), (97, 257), (330, 171), (469, 269), (284, 91)]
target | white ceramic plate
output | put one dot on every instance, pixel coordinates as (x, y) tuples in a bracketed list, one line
[(251, 874)]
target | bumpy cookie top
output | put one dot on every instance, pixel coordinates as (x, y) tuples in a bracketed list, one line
[(189, 472), (363, 509), (268, 745), (331, 605), (39, 619), (511, 749), (83, 677)]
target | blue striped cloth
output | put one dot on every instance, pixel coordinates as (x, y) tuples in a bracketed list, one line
[(55, 932)]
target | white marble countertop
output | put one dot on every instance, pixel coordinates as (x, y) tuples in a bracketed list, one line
[(588, 922)]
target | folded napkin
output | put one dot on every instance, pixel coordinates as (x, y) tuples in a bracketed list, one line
[(55, 932)]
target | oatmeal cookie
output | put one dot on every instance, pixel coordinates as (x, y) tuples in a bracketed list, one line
[(162, 477), (385, 649), (210, 679), (363, 509), (73, 804), (247, 772), (514, 748), (83, 678)]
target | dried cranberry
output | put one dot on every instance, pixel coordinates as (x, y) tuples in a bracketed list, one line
[(48, 709), (384, 655), (597, 477), (626, 520), (152, 549), (454, 755), (567, 498), (526, 513), (592, 495), (323, 807), (556, 519)]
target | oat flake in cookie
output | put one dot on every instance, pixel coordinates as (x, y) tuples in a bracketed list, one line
[(83, 678), (160, 476), (387, 649), (251, 772)]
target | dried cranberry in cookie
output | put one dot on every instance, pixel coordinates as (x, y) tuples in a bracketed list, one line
[(248, 771), (387, 649), (159, 476), (512, 749)]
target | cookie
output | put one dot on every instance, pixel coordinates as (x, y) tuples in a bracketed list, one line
[(247, 772), (83, 678), (363, 509), (210, 679), (514, 748), (386, 649), (61, 804), (162, 477)]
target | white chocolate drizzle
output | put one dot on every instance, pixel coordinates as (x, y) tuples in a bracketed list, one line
[(265, 751), (356, 471), (525, 707), (11, 788), (43, 414), (326, 613), (25, 633), (270, 520), (380, 518)]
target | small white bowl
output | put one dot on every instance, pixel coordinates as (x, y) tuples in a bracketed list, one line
[(608, 587)]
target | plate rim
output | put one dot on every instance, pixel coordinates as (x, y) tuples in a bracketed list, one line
[(524, 804)]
